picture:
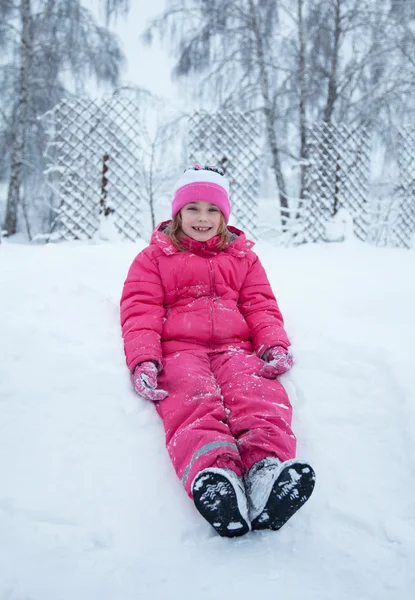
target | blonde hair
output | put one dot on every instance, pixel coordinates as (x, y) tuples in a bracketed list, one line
[(174, 231)]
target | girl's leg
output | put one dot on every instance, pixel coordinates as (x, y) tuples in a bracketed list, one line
[(259, 411), (197, 436)]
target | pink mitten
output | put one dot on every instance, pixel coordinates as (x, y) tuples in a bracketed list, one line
[(145, 382), (278, 360)]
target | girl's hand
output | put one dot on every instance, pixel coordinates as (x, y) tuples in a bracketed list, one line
[(145, 382), (278, 360)]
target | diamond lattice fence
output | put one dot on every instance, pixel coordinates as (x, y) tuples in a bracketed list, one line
[(337, 177), (94, 153), (231, 140), (405, 224), (384, 216)]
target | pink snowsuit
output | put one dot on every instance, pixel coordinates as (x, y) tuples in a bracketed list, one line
[(205, 316)]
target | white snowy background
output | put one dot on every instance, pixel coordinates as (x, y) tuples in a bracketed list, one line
[(89, 504)]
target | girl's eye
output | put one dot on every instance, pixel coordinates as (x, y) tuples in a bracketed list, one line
[(191, 208), (213, 210)]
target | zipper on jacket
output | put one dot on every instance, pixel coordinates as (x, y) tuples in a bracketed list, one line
[(212, 278), (213, 298)]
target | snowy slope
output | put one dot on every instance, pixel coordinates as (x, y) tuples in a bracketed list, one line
[(89, 504)]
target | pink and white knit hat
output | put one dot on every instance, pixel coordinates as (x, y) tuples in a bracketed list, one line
[(201, 183)]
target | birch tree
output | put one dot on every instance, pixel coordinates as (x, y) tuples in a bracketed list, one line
[(302, 90), (21, 113), (299, 61), (231, 43), (355, 57), (49, 45)]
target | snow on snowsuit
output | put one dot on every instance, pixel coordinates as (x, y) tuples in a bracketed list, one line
[(205, 315)]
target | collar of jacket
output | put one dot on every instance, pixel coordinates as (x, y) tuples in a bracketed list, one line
[(238, 246)]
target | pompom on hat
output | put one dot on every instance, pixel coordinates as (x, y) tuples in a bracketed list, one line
[(202, 183)]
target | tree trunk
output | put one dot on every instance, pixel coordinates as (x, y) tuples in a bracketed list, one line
[(331, 99), (269, 117), (13, 195), (302, 85), (332, 84), (151, 185)]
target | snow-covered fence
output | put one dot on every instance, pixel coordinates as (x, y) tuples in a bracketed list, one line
[(94, 165), (337, 178), (231, 140), (384, 215), (405, 225), (95, 169)]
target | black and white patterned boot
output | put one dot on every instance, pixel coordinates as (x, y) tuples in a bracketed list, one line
[(219, 496), (276, 490)]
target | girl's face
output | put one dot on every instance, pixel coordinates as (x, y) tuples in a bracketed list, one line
[(200, 220)]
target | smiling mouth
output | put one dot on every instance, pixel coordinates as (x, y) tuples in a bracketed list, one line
[(202, 229)]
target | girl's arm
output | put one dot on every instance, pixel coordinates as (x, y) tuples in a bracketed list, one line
[(258, 305), (142, 312)]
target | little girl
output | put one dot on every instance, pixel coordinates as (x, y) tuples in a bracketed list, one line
[(204, 340)]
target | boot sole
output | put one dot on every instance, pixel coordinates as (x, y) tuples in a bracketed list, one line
[(292, 488), (216, 500)]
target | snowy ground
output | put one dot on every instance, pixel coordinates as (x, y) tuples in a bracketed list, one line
[(89, 504)]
